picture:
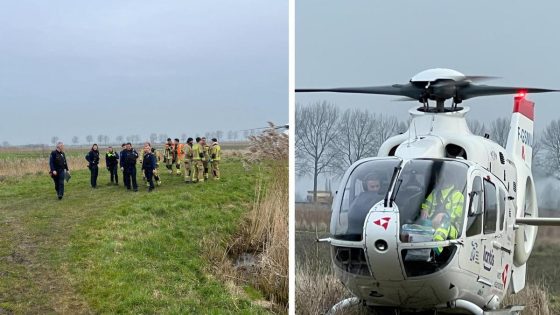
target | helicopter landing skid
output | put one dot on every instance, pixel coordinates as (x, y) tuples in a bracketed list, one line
[(509, 310), (343, 305)]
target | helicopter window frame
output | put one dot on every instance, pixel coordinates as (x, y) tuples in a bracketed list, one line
[(475, 221), (502, 207), (490, 219)]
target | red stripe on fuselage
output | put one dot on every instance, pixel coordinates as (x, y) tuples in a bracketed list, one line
[(524, 107)]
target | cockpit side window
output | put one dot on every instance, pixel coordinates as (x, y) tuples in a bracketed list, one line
[(474, 221), (490, 207), (366, 186)]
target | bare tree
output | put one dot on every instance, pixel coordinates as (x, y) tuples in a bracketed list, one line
[(499, 130), (537, 147), (246, 134), (184, 137), (5, 144), (219, 134), (162, 137), (476, 127), (54, 139), (153, 137), (356, 137), (106, 139), (89, 139), (75, 140), (316, 133), (100, 139), (230, 135), (119, 139), (550, 141)]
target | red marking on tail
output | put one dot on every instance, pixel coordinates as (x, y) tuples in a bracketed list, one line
[(524, 107)]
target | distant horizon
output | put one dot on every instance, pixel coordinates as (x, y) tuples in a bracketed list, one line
[(136, 67)]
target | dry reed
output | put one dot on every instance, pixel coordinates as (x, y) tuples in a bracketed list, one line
[(535, 297)]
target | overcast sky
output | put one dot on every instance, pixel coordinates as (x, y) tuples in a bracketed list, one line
[(135, 67), (361, 43), (364, 43)]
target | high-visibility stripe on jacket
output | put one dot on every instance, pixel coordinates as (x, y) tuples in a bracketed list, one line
[(451, 199), (188, 152), (197, 149), (216, 152), (206, 152)]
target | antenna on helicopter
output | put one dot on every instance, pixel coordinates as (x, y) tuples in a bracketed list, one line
[(437, 85)]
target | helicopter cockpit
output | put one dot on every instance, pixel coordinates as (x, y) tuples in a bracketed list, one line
[(429, 193)]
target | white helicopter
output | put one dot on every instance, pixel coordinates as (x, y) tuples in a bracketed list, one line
[(397, 248)]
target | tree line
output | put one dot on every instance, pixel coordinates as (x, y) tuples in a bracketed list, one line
[(329, 140)]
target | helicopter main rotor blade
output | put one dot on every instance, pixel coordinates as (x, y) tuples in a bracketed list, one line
[(473, 90), (395, 89)]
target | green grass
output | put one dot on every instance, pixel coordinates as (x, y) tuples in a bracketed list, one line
[(112, 251)]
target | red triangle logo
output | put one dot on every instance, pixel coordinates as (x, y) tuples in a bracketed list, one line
[(383, 222)]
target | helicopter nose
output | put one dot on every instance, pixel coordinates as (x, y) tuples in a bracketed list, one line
[(381, 230)]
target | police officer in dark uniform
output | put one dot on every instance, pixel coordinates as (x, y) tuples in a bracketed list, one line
[(59, 167), (112, 163), (93, 159), (149, 164), (128, 166)]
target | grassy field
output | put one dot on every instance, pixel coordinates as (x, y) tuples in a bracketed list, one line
[(317, 289), (107, 250)]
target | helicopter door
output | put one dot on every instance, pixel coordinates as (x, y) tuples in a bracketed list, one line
[(471, 257), (491, 252)]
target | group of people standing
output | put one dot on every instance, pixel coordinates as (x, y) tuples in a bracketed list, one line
[(198, 158)]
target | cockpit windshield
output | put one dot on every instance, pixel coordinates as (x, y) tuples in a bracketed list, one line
[(366, 186), (430, 195)]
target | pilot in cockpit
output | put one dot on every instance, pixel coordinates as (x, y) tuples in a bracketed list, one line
[(373, 192)]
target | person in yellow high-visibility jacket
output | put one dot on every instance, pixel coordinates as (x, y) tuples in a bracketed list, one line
[(215, 157), (444, 207), (206, 159), (168, 156), (198, 156), (189, 155)]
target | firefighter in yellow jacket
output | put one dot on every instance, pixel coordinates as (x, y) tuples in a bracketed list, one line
[(444, 207), (189, 155), (215, 157), (168, 155), (198, 156), (206, 159)]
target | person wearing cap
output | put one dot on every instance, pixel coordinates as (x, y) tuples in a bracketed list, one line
[(58, 169), (112, 164), (93, 164), (198, 156), (188, 160), (215, 157), (206, 158)]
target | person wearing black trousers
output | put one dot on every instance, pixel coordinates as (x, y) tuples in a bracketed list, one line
[(58, 169), (112, 163), (128, 166), (149, 165), (93, 159)]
